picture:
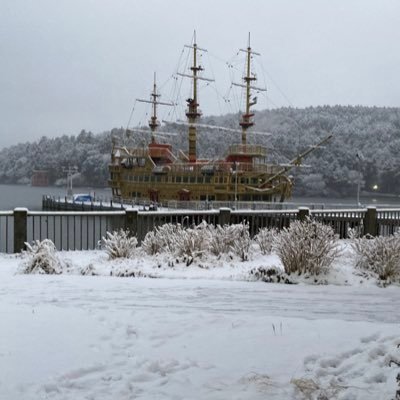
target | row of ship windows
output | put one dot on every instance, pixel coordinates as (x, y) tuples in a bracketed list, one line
[(191, 179)]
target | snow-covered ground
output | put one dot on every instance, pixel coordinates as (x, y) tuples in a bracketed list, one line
[(199, 332)]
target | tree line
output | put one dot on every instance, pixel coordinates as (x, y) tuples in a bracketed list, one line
[(365, 146)]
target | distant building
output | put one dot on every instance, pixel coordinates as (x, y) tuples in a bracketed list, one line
[(40, 178)]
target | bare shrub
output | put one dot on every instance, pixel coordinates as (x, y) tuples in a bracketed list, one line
[(119, 244), (42, 258), (380, 255), (307, 247), (265, 239)]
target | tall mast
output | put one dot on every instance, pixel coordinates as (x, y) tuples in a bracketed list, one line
[(247, 118), (193, 112), (153, 122)]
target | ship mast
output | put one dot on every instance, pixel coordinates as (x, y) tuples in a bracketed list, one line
[(247, 117), (193, 112), (153, 122)]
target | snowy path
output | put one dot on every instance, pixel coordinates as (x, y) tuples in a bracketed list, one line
[(72, 337)]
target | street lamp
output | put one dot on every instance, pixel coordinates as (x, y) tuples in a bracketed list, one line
[(360, 159)]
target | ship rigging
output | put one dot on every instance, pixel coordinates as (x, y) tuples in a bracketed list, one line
[(154, 172)]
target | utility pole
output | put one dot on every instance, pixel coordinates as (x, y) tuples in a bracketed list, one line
[(70, 171)]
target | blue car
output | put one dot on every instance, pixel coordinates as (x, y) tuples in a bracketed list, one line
[(82, 198)]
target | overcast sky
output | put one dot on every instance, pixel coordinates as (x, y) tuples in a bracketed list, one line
[(68, 65)]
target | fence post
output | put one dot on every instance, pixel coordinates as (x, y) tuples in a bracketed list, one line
[(303, 213), (224, 216), (132, 222), (20, 229), (370, 222)]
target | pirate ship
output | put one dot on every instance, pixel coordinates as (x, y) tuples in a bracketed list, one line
[(155, 173)]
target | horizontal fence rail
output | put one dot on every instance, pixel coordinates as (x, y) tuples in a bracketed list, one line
[(83, 230)]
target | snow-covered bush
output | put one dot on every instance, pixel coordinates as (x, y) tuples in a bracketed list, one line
[(307, 247), (196, 240), (191, 242), (220, 239), (42, 258), (119, 244), (265, 239), (162, 239), (177, 240), (241, 241), (230, 239), (380, 255)]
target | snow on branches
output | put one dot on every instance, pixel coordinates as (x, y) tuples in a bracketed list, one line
[(192, 242), (42, 258), (265, 239), (379, 255), (307, 247), (119, 244)]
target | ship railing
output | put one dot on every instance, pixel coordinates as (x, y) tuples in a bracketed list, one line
[(247, 149), (224, 166), (139, 152)]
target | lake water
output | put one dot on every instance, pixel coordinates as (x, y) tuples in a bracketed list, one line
[(12, 196)]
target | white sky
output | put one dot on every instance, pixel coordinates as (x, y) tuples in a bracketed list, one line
[(79, 64)]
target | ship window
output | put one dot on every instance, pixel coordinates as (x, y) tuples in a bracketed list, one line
[(178, 179), (207, 179), (140, 178), (152, 178), (158, 178), (185, 179), (199, 179), (192, 179), (146, 178)]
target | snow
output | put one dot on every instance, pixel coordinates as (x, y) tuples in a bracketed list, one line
[(205, 331)]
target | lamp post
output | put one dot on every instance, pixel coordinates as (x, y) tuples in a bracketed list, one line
[(360, 159), (70, 172)]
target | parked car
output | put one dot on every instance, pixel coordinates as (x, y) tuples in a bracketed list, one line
[(82, 198)]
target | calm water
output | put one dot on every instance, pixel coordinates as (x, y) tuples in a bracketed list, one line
[(12, 196)]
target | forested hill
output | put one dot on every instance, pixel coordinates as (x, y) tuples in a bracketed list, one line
[(372, 132)]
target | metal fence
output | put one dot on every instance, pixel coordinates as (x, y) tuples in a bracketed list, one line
[(6, 232), (82, 230)]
